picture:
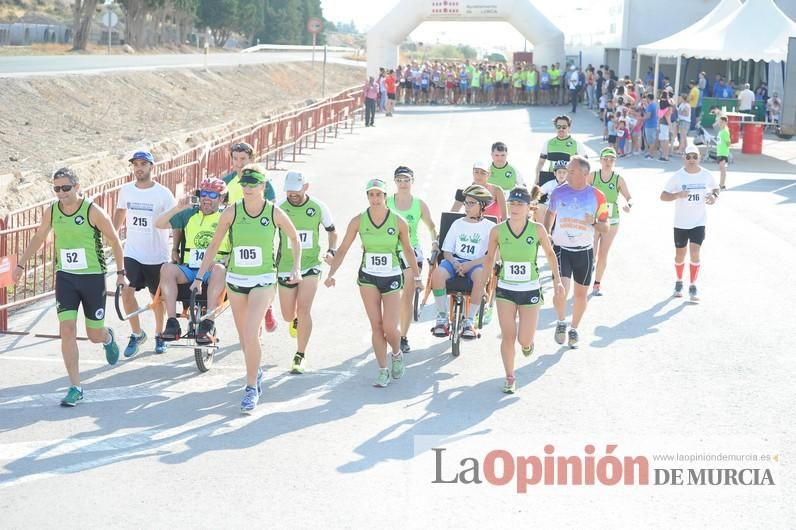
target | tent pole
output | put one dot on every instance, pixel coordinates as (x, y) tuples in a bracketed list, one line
[(638, 66), (677, 77), (655, 78)]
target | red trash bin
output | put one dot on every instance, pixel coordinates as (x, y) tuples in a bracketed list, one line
[(752, 138), (734, 124)]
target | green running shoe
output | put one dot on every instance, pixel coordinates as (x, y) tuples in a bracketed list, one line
[(298, 365), (510, 385), (383, 379), (527, 352), (111, 351), (397, 367), (74, 394)]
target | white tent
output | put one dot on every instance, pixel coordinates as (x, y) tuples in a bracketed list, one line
[(758, 31)]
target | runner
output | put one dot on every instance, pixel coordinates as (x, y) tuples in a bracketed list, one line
[(723, 150), (307, 214), (578, 210), (413, 210), (501, 173), (561, 147), (464, 250), (242, 154), (692, 187), (251, 275), (80, 268), (560, 172), (519, 294), (380, 279), (611, 188), (194, 227), (146, 248), (497, 206)]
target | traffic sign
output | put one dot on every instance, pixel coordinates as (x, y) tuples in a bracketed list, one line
[(314, 25), (109, 19)]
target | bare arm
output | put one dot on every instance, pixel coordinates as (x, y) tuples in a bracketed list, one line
[(348, 240), (118, 218), (539, 166), (491, 251), (549, 219), (284, 223), (34, 244), (224, 222), (425, 215), (99, 218), (409, 252), (667, 197)]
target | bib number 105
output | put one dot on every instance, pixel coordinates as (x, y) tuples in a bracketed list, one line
[(248, 256)]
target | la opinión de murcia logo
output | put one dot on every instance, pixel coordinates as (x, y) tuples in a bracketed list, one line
[(500, 467)]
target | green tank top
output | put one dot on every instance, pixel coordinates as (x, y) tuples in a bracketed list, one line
[(532, 78), (252, 242), (306, 218), (379, 245), (504, 177), (198, 232), (476, 82), (411, 216), (499, 76), (518, 253), (78, 244), (560, 150), (611, 191)]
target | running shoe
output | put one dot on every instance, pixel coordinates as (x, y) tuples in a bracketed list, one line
[(510, 385), (250, 399), (383, 379), (561, 332), (270, 322), (160, 344), (405, 345), (692, 293), (259, 380), (111, 349), (172, 330), (135, 342), (678, 289), (573, 338), (527, 352), (298, 365), (647, 157), (74, 394), (397, 367), (293, 328), (441, 328), (468, 331), (205, 332)]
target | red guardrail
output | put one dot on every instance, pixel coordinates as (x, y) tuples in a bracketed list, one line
[(271, 139)]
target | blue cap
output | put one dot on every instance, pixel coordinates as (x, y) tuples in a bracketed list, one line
[(520, 194), (143, 155)]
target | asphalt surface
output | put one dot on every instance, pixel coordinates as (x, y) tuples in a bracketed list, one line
[(26, 66), (155, 443)]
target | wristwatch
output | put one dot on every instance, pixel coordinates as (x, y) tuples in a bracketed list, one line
[(121, 271), (332, 252)]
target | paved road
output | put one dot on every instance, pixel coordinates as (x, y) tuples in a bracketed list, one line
[(156, 441), (92, 64)]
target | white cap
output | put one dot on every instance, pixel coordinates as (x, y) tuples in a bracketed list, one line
[(691, 149), (480, 164), (294, 181)]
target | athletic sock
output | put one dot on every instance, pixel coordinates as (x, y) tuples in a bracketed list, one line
[(562, 322), (679, 267), (441, 301), (694, 269), (300, 354), (110, 337), (596, 284)]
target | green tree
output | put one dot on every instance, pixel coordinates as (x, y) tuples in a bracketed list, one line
[(221, 16)]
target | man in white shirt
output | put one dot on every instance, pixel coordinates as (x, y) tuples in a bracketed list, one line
[(146, 248), (692, 188), (746, 98)]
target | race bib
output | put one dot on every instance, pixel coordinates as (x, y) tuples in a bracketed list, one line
[(305, 237), (517, 271), (694, 197), (378, 263), (248, 256), (140, 223), (195, 257), (73, 259)]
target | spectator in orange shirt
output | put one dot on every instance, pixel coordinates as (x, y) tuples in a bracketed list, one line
[(389, 84)]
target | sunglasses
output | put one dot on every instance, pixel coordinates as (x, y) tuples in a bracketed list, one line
[(242, 148), (209, 194), (562, 127), (249, 184), (64, 188), (403, 179), (471, 203), (692, 157)]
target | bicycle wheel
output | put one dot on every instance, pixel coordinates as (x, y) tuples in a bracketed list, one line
[(456, 327), (204, 358), (416, 310)]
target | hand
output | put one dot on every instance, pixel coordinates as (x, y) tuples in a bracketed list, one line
[(419, 283), (588, 218), (559, 288), (459, 268), (197, 286), (329, 282), (710, 199), (121, 281), (682, 194), (328, 259), (295, 276), (185, 201), (626, 208)]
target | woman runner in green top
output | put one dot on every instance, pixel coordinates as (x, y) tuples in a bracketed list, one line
[(380, 278), (519, 292), (251, 272), (78, 225), (412, 209), (611, 184)]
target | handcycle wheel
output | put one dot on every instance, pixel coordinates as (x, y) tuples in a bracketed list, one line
[(202, 355), (204, 358), (456, 327), (416, 309), (481, 309)]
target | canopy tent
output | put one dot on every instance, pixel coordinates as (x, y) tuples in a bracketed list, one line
[(757, 30)]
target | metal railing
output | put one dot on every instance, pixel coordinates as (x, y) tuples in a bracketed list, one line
[(274, 139)]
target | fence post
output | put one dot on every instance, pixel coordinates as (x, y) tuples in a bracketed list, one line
[(4, 290)]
